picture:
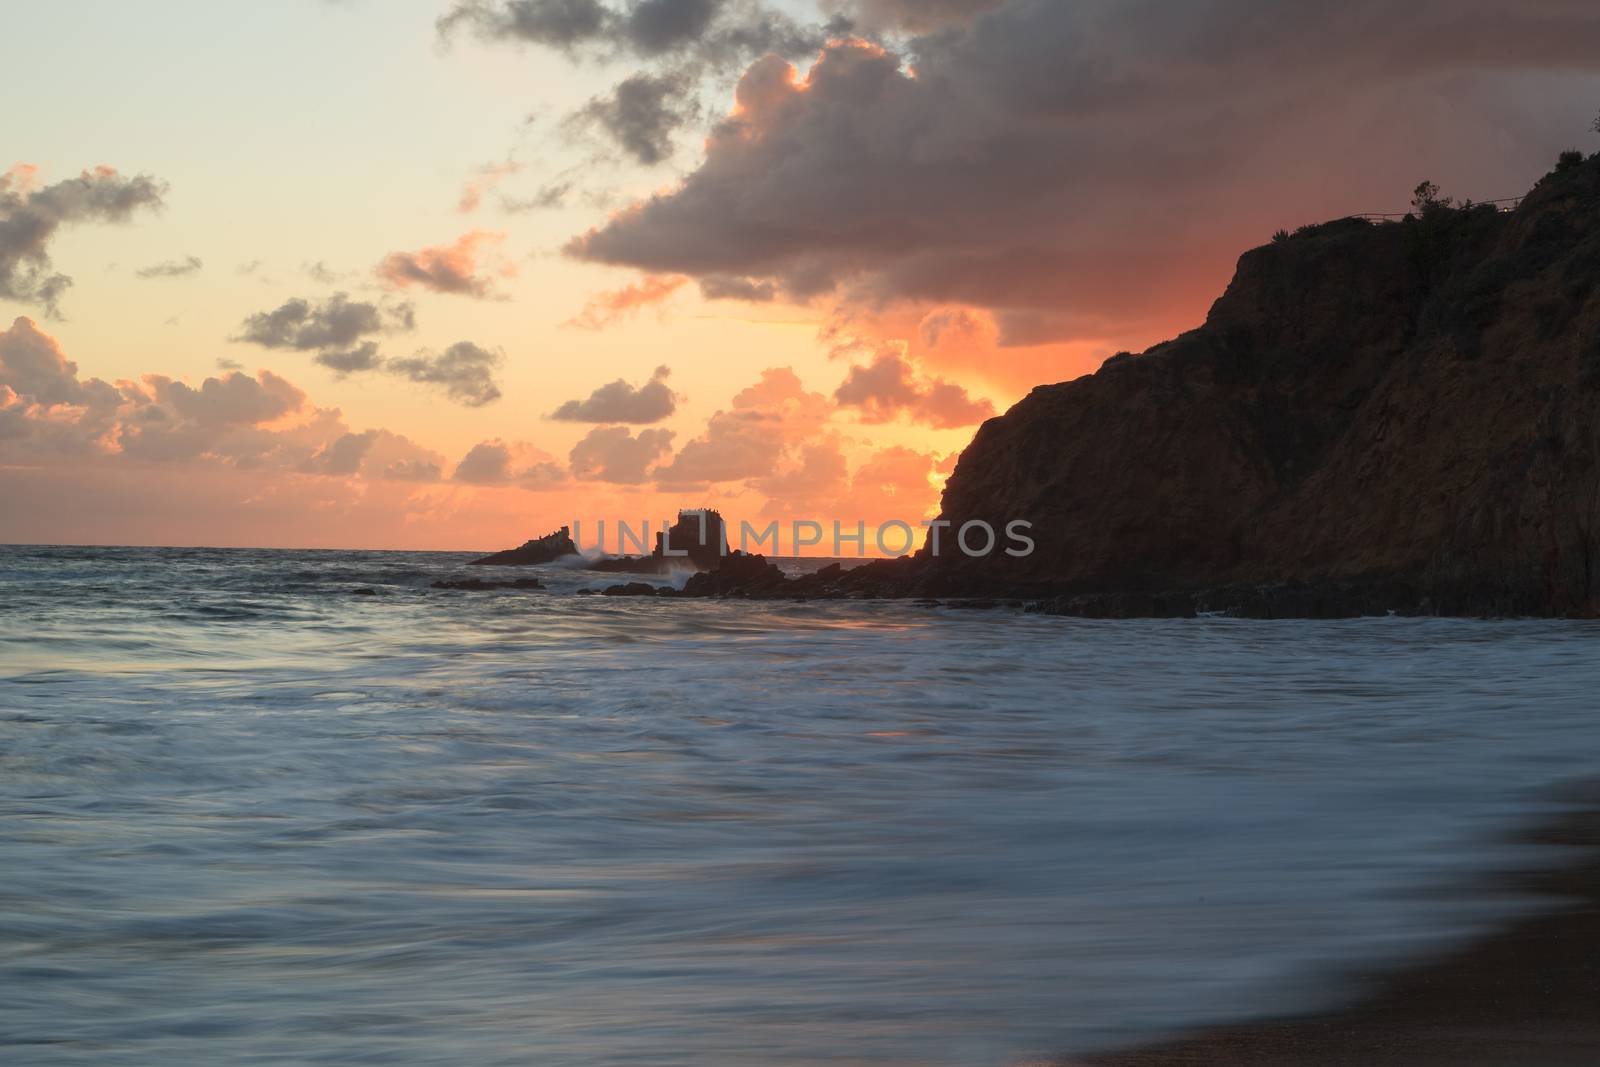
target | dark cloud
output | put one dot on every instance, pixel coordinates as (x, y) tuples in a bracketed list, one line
[(172, 268), (613, 454), (464, 371), (1092, 169), (233, 399), (889, 387), (335, 324), (675, 46), (564, 24), (909, 15), (642, 113), (453, 268), (340, 331), (707, 31), (30, 216), (621, 402), (729, 287), (363, 357)]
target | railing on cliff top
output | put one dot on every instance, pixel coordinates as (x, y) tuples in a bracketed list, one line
[(1507, 204)]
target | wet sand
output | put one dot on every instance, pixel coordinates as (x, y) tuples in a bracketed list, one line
[(1527, 995)]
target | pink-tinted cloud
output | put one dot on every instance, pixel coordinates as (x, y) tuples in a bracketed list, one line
[(614, 454), (50, 416), (485, 179), (610, 307), (459, 268), (499, 462), (890, 387)]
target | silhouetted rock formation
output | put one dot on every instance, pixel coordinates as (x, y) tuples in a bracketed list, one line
[(739, 575), (631, 589), (1374, 417), (1395, 416), (545, 549), (699, 539)]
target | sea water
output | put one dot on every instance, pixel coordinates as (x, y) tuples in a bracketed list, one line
[(249, 816)]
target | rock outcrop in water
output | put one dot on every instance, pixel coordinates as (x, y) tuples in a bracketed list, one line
[(1400, 416), (699, 539), (546, 549)]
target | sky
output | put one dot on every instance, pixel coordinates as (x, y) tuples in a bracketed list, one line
[(448, 274)]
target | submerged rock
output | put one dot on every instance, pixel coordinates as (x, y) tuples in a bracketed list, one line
[(634, 589)]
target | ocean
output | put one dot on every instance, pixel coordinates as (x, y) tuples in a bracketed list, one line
[(248, 816)]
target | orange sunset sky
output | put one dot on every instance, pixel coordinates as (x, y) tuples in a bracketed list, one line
[(434, 274)]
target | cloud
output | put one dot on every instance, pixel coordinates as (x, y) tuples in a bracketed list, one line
[(343, 455), (608, 308), (339, 331), (642, 113), (889, 387), (464, 371), (674, 47), (913, 15), (363, 357), (50, 416), (546, 198), (717, 32), (323, 274), (750, 439), (561, 24), (729, 287), (620, 402), (893, 483), (334, 324), (1090, 170), (498, 462), (172, 268), (486, 179), (452, 268), (32, 364), (31, 215), (235, 399), (613, 454)]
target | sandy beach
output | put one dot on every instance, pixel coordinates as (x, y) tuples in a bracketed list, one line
[(1528, 995)]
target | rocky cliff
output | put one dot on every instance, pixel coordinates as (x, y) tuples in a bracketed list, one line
[(1400, 415)]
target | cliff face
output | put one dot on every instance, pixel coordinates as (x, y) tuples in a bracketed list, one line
[(1407, 407)]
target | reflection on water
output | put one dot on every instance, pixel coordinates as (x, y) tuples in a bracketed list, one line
[(249, 817)]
